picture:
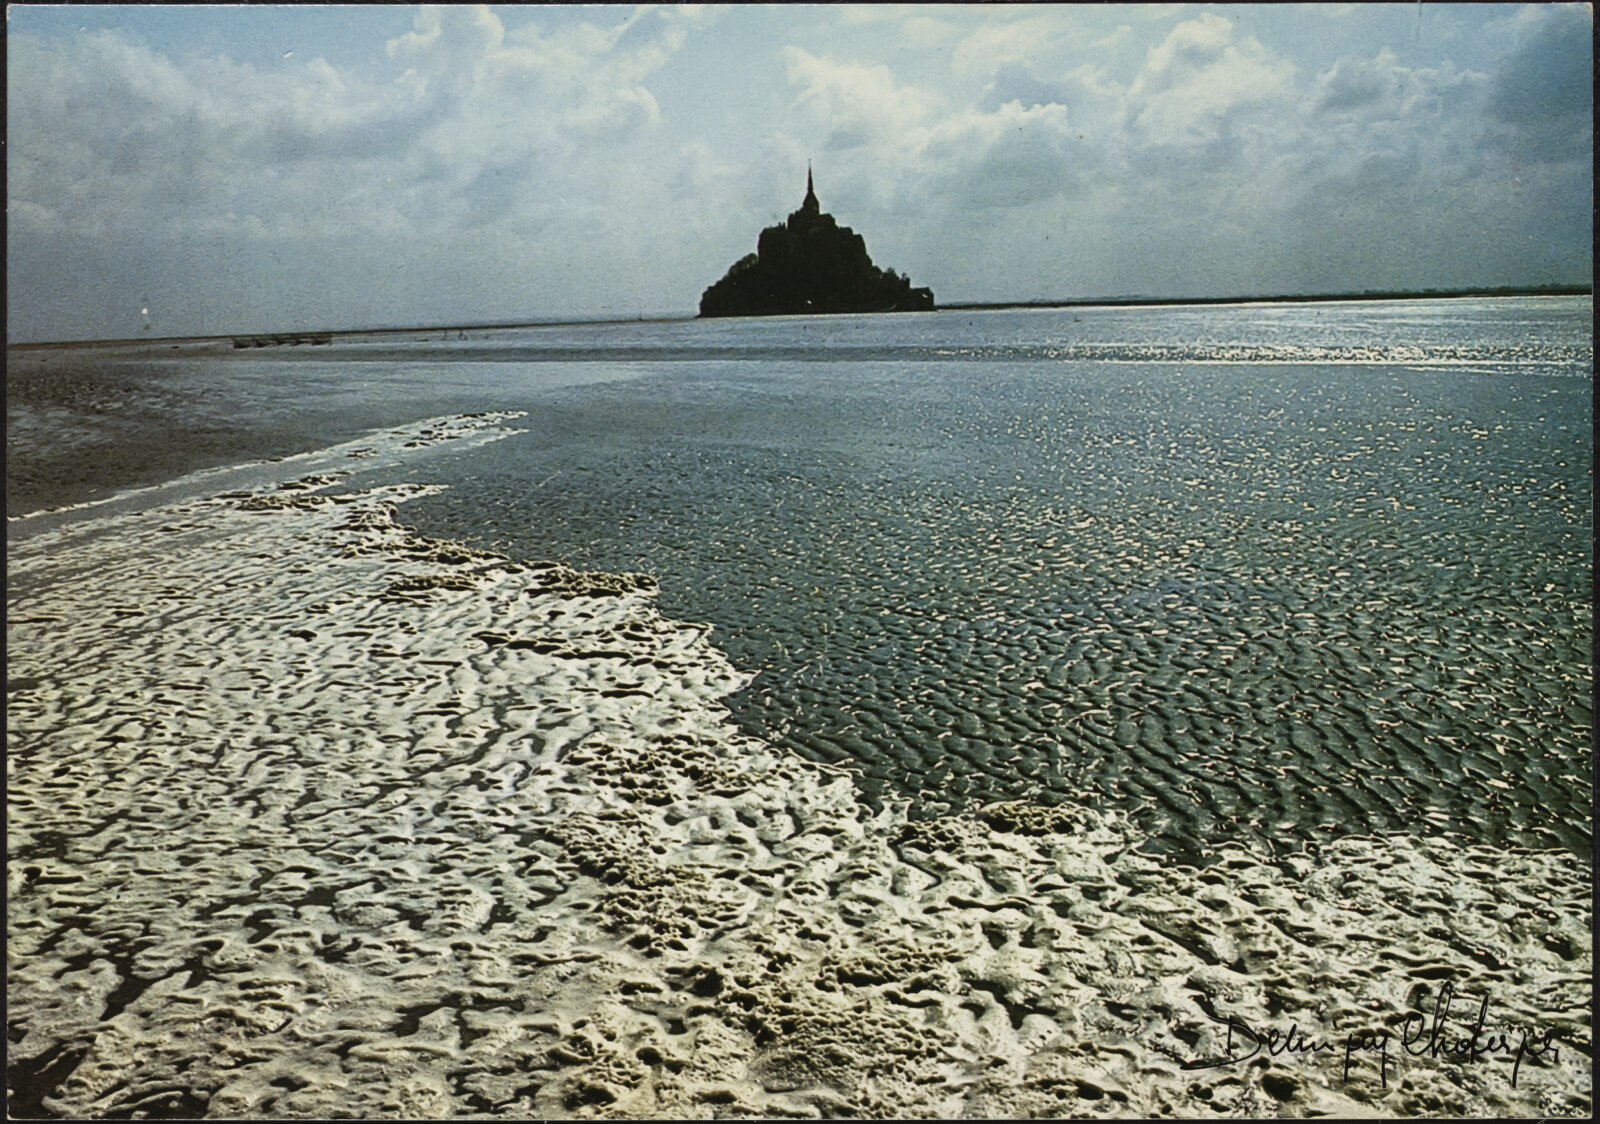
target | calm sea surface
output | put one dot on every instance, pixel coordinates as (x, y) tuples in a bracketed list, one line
[(1292, 571)]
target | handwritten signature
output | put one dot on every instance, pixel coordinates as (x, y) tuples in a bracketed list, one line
[(1417, 1037)]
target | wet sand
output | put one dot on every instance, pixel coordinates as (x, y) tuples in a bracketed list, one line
[(313, 816)]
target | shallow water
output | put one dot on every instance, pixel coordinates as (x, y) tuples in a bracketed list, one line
[(310, 815), (1283, 571)]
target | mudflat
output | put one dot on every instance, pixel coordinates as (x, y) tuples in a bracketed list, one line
[(312, 815)]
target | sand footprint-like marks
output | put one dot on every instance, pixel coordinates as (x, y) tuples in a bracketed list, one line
[(310, 815)]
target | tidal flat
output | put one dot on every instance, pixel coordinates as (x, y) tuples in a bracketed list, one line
[(1078, 713), (315, 816)]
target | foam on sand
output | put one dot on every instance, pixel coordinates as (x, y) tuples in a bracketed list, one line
[(312, 816)]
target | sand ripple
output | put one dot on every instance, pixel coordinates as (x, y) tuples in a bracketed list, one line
[(311, 815)]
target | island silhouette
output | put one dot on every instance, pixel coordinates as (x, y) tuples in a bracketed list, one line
[(810, 264)]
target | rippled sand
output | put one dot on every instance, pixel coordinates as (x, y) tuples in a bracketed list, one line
[(313, 816), (1290, 601)]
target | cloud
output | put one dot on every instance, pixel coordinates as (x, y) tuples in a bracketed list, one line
[(458, 133), (1363, 110), (114, 135), (859, 105), (1218, 161), (450, 46), (1018, 83), (1007, 40), (569, 159), (1012, 157), (125, 137), (1194, 83), (1355, 85), (1541, 97)]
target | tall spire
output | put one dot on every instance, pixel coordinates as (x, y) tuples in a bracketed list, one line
[(810, 204)]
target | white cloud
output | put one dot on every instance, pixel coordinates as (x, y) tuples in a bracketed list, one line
[(859, 105), (1356, 85), (122, 135), (1007, 39), (914, 25), (1192, 82), (1010, 157), (450, 45)]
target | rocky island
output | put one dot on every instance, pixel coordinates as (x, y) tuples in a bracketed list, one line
[(810, 264)]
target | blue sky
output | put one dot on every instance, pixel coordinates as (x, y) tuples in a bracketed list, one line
[(207, 170)]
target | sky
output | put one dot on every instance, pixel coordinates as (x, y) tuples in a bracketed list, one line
[(207, 170)]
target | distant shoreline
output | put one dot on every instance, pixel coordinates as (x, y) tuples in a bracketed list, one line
[(1297, 298), (951, 306)]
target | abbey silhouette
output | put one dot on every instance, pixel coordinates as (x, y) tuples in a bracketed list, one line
[(810, 264)]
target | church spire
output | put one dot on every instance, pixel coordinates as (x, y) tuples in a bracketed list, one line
[(810, 205)]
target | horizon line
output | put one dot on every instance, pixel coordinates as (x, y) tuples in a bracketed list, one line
[(1584, 289)]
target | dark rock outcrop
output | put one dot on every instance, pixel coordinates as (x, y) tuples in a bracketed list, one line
[(810, 264)]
